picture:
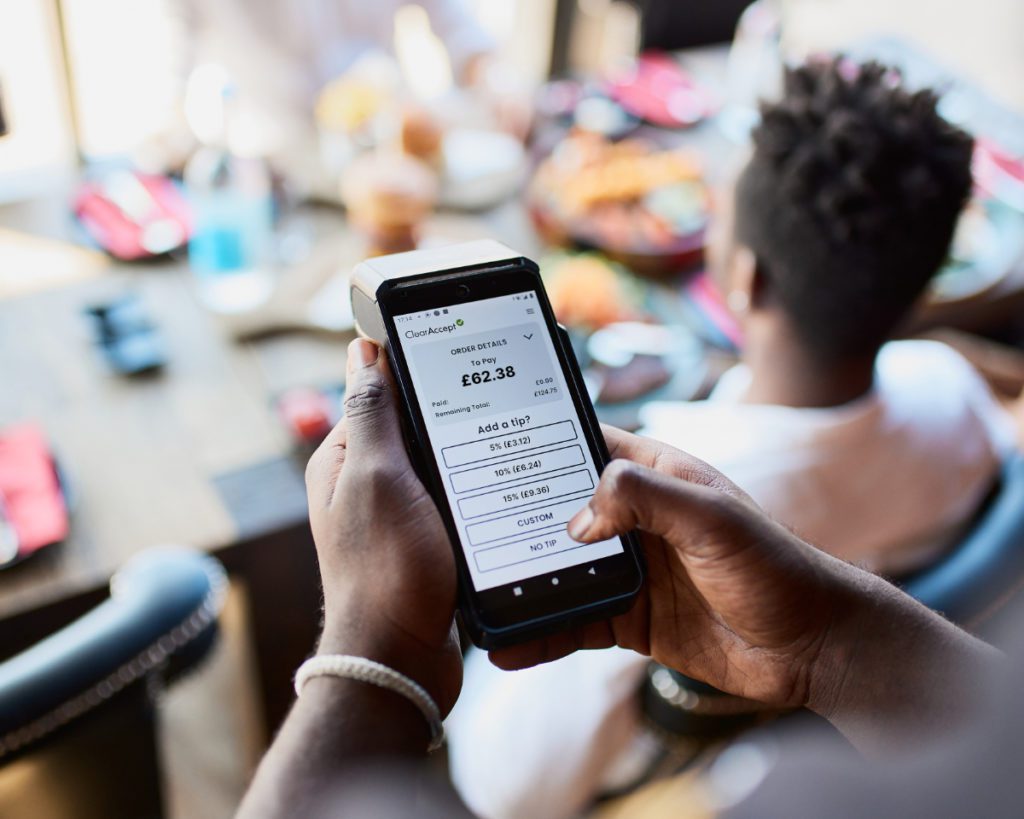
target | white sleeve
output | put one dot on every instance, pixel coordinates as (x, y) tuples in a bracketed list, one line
[(995, 418), (539, 742), (458, 29)]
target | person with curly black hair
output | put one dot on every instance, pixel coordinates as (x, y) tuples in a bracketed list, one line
[(881, 451), (839, 220)]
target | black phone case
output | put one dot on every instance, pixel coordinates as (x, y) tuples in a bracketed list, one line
[(479, 632)]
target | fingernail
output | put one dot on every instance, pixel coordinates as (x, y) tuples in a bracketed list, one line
[(362, 353), (581, 523)]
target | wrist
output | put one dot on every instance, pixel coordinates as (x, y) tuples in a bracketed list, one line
[(385, 646), (891, 670), (839, 655), (395, 722), (377, 639)]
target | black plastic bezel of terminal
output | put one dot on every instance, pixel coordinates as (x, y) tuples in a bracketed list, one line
[(496, 617)]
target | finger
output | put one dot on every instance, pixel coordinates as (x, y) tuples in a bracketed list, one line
[(667, 459), (529, 654), (622, 444), (325, 465), (374, 432), (554, 647), (630, 496)]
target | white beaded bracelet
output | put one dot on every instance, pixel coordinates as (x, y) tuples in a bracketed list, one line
[(370, 671)]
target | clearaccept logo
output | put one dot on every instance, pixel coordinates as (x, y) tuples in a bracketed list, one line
[(435, 331)]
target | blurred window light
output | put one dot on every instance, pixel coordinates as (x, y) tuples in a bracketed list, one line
[(37, 151), (422, 57), (498, 19), (522, 31), (205, 95), (123, 60)]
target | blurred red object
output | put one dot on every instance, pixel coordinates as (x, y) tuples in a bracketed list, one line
[(998, 173), (308, 414), (707, 298), (33, 504), (134, 215), (657, 89)]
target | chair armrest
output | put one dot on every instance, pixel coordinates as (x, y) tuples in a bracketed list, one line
[(988, 566), (159, 602)]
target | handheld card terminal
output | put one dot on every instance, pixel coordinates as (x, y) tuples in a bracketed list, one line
[(501, 432)]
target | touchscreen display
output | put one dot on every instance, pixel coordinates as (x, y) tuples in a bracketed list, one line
[(507, 439)]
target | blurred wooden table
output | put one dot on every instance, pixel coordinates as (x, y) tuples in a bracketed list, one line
[(193, 455), (139, 454)]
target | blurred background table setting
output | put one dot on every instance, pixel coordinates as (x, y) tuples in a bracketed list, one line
[(185, 186)]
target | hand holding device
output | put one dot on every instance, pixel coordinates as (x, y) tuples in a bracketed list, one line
[(732, 598), (740, 602), (387, 569)]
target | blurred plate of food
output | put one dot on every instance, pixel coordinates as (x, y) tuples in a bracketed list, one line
[(629, 364), (616, 322), (363, 112), (642, 205), (476, 167), (388, 195), (588, 292)]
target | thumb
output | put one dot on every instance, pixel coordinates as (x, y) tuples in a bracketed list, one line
[(630, 496), (371, 407)]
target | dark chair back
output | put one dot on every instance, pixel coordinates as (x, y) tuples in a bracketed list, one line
[(77, 715), (979, 577)]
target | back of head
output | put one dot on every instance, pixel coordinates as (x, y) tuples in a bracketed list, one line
[(849, 202)]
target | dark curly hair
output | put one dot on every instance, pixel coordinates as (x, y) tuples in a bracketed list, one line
[(850, 200)]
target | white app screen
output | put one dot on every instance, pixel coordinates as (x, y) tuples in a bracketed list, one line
[(506, 437)]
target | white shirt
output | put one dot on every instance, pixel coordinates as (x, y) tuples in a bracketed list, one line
[(888, 481)]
